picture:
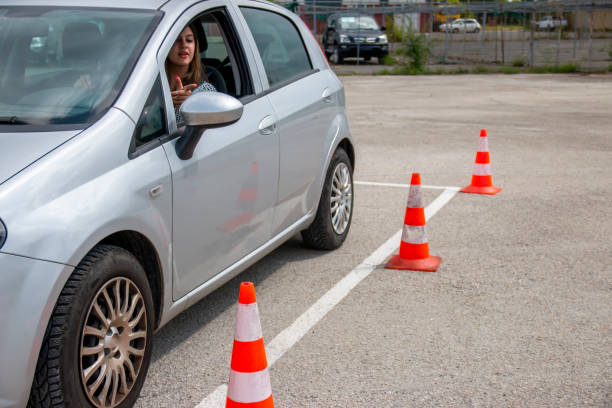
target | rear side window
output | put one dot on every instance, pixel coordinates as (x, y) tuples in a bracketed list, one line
[(279, 43)]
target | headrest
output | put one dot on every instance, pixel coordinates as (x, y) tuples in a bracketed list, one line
[(196, 27), (80, 40)]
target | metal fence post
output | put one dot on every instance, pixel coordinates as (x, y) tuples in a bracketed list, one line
[(483, 37), (531, 27), (503, 22), (591, 36)]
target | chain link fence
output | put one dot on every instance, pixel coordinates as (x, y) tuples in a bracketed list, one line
[(510, 33)]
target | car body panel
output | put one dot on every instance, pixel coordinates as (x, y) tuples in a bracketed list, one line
[(232, 181), (22, 333), (28, 147)]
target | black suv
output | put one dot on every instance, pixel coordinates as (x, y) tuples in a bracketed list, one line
[(346, 35)]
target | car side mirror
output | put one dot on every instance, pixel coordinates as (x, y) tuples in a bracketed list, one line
[(205, 110)]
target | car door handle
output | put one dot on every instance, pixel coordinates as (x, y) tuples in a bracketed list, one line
[(327, 95), (267, 126)]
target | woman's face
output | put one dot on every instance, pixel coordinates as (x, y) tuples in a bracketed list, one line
[(183, 50)]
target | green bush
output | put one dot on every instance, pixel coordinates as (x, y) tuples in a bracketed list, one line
[(537, 70), (389, 60), (509, 70), (394, 33), (610, 68), (416, 49), (519, 62), (560, 69), (479, 69)]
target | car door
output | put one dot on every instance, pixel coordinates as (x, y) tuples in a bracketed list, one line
[(224, 196), (303, 98)]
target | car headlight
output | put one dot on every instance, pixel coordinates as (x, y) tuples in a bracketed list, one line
[(344, 38), (2, 233), (382, 38)]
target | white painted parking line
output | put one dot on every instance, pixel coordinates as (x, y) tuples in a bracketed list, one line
[(292, 334), (373, 183)]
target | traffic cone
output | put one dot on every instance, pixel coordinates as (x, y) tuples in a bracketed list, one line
[(414, 249), (482, 180), (249, 382)]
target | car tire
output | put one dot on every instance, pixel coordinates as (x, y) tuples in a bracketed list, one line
[(455, 30), (336, 58), (331, 225), (83, 343), (477, 30)]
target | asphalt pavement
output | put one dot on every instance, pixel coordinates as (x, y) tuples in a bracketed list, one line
[(519, 313)]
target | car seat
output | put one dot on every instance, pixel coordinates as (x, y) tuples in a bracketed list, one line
[(212, 73)]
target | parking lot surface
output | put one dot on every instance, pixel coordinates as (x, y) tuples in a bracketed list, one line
[(519, 313)]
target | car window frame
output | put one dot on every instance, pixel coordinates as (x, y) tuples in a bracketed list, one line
[(135, 151), (263, 75), (186, 17)]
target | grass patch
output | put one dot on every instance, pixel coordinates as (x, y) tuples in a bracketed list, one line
[(480, 69), (519, 62), (459, 70), (555, 69), (509, 70), (389, 60)]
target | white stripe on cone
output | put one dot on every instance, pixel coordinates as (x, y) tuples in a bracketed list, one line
[(249, 387), (247, 323), (483, 145), (482, 169), (414, 234), (415, 199)]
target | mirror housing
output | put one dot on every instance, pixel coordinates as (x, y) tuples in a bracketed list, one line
[(205, 110)]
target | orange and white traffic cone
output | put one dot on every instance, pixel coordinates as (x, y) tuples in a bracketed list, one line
[(249, 383), (482, 180), (414, 248)]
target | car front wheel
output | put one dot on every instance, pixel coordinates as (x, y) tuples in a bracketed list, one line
[(336, 58), (335, 212), (98, 343)]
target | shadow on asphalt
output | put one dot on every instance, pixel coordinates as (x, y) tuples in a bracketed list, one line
[(198, 316)]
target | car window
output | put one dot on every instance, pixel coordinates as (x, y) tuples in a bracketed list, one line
[(358, 23), (279, 43), (65, 66), (152, 122)]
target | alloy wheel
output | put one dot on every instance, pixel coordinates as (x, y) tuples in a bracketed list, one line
[(113, 343), (341, 201)]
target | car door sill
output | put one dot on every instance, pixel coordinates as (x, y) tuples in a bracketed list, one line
[(230, 272)]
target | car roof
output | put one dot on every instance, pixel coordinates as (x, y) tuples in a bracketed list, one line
[(133, 4)]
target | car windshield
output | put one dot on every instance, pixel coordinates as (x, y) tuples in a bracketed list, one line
[(358, 23), (65, 66)]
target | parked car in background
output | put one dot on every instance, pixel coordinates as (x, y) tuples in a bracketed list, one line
[(354, 35), (114, 216), (548, 23), (461, 25)]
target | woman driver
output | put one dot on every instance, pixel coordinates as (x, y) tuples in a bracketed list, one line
[(184, 69)]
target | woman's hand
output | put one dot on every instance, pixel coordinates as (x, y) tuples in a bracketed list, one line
[(180, 92)]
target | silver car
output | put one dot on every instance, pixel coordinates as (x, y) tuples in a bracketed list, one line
[(114, 218)]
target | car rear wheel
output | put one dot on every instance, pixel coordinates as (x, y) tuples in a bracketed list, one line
[(98, 343), (335, 212), (477, 30)]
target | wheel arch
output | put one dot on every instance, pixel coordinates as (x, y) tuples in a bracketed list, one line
[(349, 149), (140, 246)]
